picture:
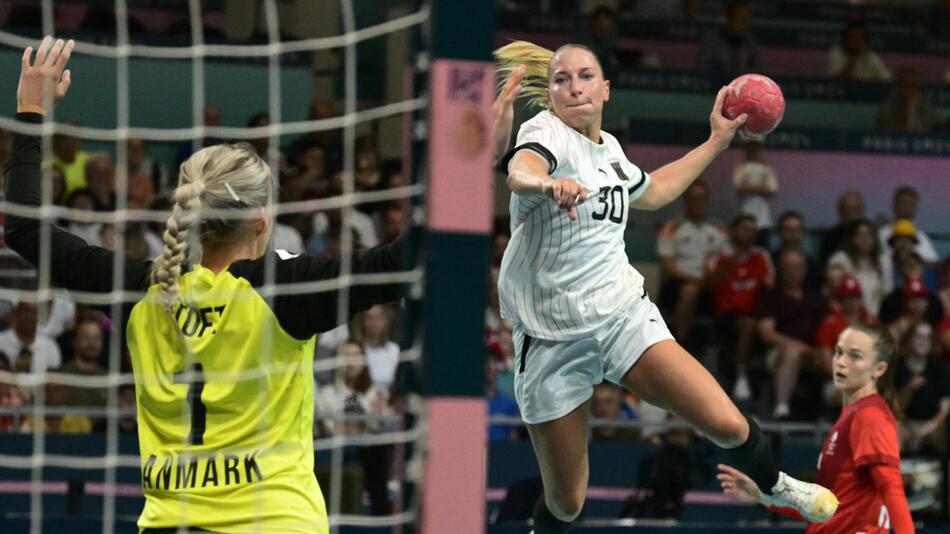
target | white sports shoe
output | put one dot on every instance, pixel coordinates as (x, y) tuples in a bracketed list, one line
[(815, 503)]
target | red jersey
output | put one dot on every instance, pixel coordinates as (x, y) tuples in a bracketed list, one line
[(739, 291), (863, 438), (835, 323)]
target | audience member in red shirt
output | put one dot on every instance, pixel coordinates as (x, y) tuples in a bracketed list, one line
[(860, 459), (736, 277)]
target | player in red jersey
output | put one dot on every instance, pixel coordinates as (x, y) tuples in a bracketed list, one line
[(860, 459)]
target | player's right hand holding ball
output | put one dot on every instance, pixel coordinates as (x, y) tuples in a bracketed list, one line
[(722, 129)]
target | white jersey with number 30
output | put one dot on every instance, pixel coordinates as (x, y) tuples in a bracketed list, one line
[(561, 279)]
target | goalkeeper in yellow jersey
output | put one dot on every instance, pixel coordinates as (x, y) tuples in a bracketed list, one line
[(224, 376)]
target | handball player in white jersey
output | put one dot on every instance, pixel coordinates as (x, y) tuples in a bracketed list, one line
[(579, 309)]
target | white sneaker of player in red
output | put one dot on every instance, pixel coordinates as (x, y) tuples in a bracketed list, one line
[(815, 503)]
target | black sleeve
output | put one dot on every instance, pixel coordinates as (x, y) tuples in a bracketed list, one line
[(303, 315), (73, 264), (537, 148)]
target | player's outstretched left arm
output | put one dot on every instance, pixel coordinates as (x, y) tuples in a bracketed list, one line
[(670, 180), (73, 264)]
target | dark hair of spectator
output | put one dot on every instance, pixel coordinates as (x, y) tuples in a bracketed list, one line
[(257, 119), (739, 219), (905, 190), (875, 255), (790, 214), (363, 381), (884, 351), (88, 319), (83, 192)]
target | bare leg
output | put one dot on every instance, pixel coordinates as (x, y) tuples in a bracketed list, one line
[(561, 448), (667, 376)]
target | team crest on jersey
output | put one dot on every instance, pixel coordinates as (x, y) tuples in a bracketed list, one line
[(619, 170)]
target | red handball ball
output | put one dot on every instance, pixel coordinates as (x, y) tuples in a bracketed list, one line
[(758, 96)]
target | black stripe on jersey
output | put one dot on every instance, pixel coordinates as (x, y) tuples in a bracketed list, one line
[(533, 146), (643, 178), (525, 345)]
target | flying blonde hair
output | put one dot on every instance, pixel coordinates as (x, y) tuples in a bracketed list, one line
[(537, 62), (219, 177)]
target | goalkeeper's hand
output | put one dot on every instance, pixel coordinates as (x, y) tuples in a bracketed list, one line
[(44, 83)]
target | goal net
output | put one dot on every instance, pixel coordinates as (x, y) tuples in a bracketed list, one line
[(324, 91)]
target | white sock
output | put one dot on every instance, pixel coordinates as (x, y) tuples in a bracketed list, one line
[(781, 410)]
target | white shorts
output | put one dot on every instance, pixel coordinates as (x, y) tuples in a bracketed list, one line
[(552, 378)]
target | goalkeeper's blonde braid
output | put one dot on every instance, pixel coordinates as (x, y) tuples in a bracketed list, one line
[(167, 268), (219, 177)]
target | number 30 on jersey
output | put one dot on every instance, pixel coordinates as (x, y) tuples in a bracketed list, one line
[(613, 204)]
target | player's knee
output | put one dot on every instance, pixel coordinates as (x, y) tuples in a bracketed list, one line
[(729, 430), (566, 506)]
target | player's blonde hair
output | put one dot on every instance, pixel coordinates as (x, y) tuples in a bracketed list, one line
[(219, 177), (537, 61)]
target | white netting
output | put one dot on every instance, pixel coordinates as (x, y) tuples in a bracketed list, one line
[(18, 286)]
